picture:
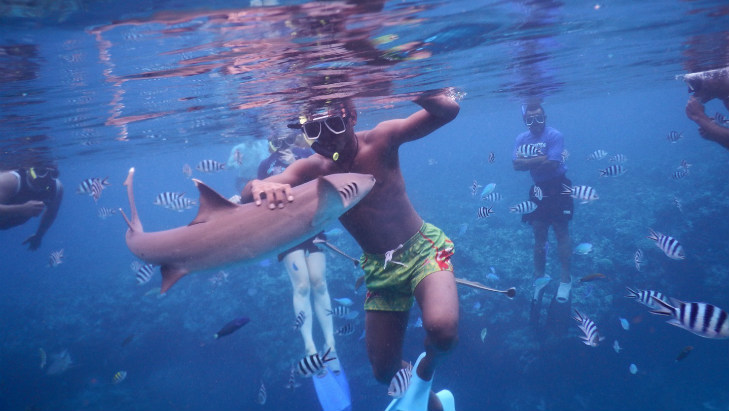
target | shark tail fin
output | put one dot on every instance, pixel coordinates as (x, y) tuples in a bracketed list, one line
[(134, 224)]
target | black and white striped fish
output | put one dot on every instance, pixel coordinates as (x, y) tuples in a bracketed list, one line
[(261, 396), (492, 156), (313, 364), (345, 330), (299, 321), (210, 166), (613, 171), (684, 164), (492, 197), (530, 150), (474, 188), (645, 297), (638, 259), (677, 203), (104, 212), (680, 173), (340, 311), (720, 119), (583, 193), (702, 319), (484, 212), (181, 204), (144, 273), (669, 245), (537, 192), (55, 258), (524, 207), (618, 159), (166, 198), (400, 382), (674, 136), (292, 384), (591, 336), (93, 187), (597, 155)]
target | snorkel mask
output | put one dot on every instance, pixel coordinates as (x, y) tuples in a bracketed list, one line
[(41, 178), (334, 120)]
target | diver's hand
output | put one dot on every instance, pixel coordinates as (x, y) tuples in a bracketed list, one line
[(695, 110), (33, 242), (275, 193), (31, 208)]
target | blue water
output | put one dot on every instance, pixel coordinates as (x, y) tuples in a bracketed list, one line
[(99, 87)]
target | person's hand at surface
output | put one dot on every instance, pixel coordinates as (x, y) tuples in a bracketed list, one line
[(695, 110), (34, 241), (31, 208), (275, 193), (708, 129)]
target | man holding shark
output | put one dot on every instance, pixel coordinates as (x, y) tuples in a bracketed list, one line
[(404, 257)]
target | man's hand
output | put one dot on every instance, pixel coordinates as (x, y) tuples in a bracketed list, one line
[(31, 208), (275, 193), (695, 110)]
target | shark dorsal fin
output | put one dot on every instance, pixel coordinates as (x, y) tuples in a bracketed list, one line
[(210, 203)]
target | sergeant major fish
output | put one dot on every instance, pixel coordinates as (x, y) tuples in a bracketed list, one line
[(669, 245), (702, 319), (314, 364), (585, 194), (590, 336), (524, 207)]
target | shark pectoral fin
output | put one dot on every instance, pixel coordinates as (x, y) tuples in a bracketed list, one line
[(210, 203), (170, 275)]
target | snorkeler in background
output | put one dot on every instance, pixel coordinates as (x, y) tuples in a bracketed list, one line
[(539, 151), (705, 86), (305, 263), (29, 192)]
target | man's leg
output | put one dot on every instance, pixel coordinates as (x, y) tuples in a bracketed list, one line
[(384, 337), (540, 229), (295, 263), (564, 248), (438, 300)]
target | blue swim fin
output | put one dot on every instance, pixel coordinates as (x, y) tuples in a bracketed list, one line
[(332, 391), (416, 396), (447, 400)]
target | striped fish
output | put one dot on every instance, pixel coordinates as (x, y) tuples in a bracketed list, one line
[(104, 212), (684, 164), (474, 188), (484, 212), (56, 258), (181, 204), (618, 159), (492, 156), (119, 377), (144, 273), (313, 364), (677, 203), (613, 171), (674, 136), (597, 155), (93, 187), (299, 321), (702, 319), (537, 192), (639, 259), (210, 166), (292, 384), (591, 337), (720, 119), (530, 150), (583, 193), (166, 198), (669, 245), (261, 396), (340, 311), (524, 207), (680, 173), (492, 197), (645, 297), (400, 382), (345, 330)]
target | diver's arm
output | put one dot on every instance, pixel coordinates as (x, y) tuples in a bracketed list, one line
[(276, 189), (51, 212), (528, 163)]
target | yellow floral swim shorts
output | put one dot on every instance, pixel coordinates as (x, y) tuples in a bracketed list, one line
[(391, 278)]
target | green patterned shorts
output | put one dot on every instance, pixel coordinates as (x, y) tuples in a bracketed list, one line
[(391, 284)]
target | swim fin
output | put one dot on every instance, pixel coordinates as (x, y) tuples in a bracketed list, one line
[(447, 400), (333, 391), (417, 394)]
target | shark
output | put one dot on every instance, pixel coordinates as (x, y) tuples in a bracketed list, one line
[(224, 232)]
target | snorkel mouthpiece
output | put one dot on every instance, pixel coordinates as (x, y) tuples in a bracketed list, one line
[(335, 156), (321, 150)]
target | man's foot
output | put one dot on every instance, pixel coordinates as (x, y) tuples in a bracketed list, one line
[(563, 292)]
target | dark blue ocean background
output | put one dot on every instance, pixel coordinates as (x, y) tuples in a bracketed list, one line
[(611, 88)]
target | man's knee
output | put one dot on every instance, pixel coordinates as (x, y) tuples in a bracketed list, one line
[(443, 336), (384, 373)]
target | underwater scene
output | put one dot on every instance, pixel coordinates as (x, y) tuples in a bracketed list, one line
[(133, 279)]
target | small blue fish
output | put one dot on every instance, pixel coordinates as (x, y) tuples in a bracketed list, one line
[(344, 301), (462, 229), (488, 189), (624, 323), (542, 281)]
